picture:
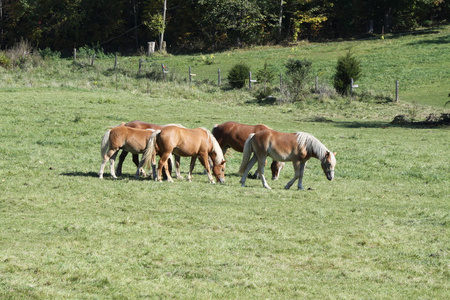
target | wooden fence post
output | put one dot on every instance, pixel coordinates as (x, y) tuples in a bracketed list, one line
[(74, 54), (115, 60), (397, 96), (93, 59), (219, 77), (190, 75), (140, 66)]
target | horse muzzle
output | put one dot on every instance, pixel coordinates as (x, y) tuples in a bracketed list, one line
[(330, 175)]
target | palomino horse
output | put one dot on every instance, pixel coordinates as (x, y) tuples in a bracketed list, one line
[(198, 142), (123, 155), (144, 125), (122, 137), (234, 135), (296, 147)]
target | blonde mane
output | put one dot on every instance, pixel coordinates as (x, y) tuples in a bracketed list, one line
[(216, 147), (311, 144)]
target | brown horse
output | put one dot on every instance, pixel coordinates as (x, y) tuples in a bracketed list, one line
[(296, 147), (122, 137), (123, 155), (198, 142), (234, 135)]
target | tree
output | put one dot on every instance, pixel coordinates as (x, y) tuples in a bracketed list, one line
[(348, 68)]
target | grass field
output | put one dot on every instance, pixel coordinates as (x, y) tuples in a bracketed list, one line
[(380, 230)]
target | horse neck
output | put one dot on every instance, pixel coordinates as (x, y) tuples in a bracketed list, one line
[(216, 151), (313, 146)]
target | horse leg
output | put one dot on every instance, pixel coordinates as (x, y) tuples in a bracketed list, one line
[(250, 165), (205, 162), (191, 167), (297, 172), (261, 165), (163, 164), (276, 168), (111, 161), (122, 157), (177, 167), (140, 171), (300, 179)]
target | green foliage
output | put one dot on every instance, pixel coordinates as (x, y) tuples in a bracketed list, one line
[(298, 74), (47, 53), (347, 67), (238, 75), (5, 62)]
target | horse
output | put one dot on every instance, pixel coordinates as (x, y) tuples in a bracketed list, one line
[(198, 142), (233, 135), (123, 155), (144, 125), (297, 147), (123, 137)]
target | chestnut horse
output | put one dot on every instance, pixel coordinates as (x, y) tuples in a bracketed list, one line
[(296, 147), (234, 135), (144, 125), (122, 137), (198, 142)]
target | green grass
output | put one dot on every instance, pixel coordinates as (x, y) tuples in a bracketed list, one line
[(380, 230)]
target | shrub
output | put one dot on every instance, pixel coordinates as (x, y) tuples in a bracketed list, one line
[(298, 74), (238, 75), (5, 62), (47, 53), (347, 67)]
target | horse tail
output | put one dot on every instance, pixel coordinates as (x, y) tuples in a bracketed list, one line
[(105, 143), (246, 153), (150, 149)]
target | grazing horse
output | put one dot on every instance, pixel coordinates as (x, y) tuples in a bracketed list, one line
[(296, 147), (122, 137), (144, 125), (198, 142), (123, 155), (234, 135)]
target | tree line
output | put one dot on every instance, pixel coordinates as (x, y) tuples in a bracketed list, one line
[(207, 25)]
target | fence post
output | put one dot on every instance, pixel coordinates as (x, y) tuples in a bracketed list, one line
[(249, 80), (115, 60), (351, 85), (190, 75), (163, 72), (74, 54), (317, 84), (93, 59), (140, 66), (219, 77), (281, 81), (396, 92)]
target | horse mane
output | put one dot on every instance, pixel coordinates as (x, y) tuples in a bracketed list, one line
[(216, 147), (312, 144)]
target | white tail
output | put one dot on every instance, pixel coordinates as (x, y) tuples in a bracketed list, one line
[(247, 152), (150, 150), (105, 143)]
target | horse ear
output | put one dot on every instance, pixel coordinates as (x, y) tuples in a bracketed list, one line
[(334, 153), (223, 162), (327, 154)]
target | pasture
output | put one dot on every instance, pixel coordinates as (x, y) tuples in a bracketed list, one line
[(380, 230)]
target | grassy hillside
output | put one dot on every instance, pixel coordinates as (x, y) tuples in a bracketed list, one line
[(380, 230)]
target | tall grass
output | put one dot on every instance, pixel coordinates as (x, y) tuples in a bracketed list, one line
[(380, 229)]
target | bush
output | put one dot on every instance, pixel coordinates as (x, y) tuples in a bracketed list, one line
[(238, 75), (298, 74), (347, 67), (47, 53), (5, 62)]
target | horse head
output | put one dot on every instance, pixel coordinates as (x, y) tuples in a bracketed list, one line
[(219, 170), (328, 163)]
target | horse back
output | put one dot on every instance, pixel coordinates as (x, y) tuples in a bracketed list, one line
[(131, 139), (234, 134), (278, 145), (143, 125), (182, 141)]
